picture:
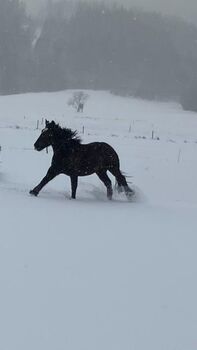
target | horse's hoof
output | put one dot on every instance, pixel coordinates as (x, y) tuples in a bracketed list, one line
[(109, 193), (33, 193), (109, 197), (130, 194)]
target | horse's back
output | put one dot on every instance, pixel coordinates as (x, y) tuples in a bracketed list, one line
[(103, 152), (100, 148)]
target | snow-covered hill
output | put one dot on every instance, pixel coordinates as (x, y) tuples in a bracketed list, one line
[(92, 274)]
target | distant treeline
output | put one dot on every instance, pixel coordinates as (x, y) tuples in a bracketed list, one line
[(96, 47)]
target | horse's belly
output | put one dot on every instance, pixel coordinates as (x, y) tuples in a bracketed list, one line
[(79, 168)]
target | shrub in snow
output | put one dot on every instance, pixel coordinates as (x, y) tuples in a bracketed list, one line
[(78, 100)]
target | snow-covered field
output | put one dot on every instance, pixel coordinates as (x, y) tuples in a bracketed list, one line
[(93, 274)]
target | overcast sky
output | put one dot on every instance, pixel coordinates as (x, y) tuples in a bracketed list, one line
[(186, 9)]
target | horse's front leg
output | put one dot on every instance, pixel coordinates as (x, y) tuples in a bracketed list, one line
[(51, 173), (74, 183)]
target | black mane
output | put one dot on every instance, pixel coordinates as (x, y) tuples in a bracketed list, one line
[(67, 134)]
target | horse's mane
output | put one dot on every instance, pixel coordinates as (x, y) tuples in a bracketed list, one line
[(67, 134)]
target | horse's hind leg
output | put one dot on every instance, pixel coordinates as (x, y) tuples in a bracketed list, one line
[(107, 182), (121, 180)]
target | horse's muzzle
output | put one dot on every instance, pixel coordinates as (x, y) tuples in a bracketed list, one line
[(37, 148)]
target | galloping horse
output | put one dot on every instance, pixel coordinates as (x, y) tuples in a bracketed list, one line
[(74, 159)]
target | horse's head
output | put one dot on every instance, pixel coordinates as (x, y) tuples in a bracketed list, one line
[(47, 136), (53, 135)]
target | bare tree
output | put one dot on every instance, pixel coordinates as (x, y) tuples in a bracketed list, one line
[(78, 100)]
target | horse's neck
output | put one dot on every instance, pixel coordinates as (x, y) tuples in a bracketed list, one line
[(57, 146)]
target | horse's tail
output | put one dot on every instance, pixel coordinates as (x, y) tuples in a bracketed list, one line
[(123, 185), (121, 179)]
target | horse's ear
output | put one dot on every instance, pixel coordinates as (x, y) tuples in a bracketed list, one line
[(46, 122), (53, 124)]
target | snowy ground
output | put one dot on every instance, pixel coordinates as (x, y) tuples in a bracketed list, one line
[(92, 274)]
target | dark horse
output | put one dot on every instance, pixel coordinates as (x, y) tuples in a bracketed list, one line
[(75, 159)]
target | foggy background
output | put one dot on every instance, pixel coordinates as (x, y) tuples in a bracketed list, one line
[(182, 8), (79, 45)]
